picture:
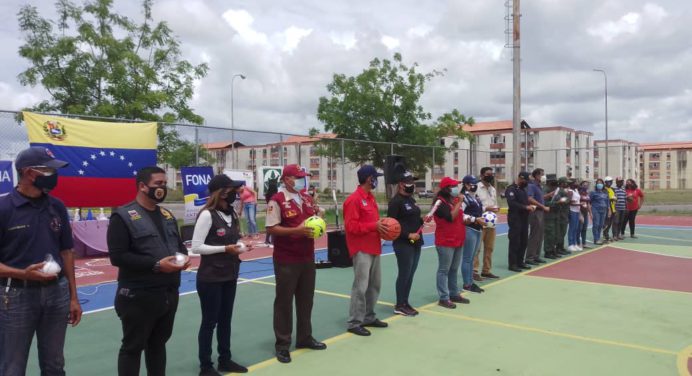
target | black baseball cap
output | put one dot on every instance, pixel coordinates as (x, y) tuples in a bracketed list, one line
[(524, 174), (407, 177), (36, 156), (223, 181)]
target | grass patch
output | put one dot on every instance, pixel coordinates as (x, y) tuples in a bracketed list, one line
[(669, 197)]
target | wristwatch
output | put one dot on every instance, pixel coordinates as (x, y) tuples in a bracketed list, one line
[(157, 267)]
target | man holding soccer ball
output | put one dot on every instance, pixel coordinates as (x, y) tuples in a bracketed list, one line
[(294, 262)]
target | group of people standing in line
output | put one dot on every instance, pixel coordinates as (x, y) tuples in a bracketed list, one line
[(145, 245), (543, 209)]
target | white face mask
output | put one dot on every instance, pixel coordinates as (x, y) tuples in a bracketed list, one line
[(299, 184), (543, 179), (455, 191)]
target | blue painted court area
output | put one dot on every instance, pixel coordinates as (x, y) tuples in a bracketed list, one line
[(95, 298)]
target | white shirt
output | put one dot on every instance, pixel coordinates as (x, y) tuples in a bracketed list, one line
[(575, 202), (273, 217), (487, 195), (202, 227)]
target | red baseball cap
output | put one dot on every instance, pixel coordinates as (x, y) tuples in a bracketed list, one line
[(448, 182), (293, 170)]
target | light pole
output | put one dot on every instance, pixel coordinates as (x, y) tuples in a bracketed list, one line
[(605, 76), (234, 153)]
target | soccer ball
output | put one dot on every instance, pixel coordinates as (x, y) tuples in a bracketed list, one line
[(489, 218), (317, 225)]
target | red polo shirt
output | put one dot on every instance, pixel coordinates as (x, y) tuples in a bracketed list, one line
[(360, 217)]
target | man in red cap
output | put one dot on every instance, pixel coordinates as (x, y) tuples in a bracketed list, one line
[(294, 262), (363, 230)]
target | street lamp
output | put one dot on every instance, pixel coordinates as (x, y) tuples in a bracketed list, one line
[(605, 76), (234, 153)]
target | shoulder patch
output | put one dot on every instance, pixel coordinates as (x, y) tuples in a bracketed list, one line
[(166, 214), (134, 215)]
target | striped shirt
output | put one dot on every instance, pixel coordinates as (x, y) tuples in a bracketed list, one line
[(620, 199)]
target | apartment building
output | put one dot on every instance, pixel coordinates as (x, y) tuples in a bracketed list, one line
[(623, 159), (664, 165)]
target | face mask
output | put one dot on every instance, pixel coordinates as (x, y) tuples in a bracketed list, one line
[(46, 183), (230, 199), (543, 179), (609, 183), (408, 188), (488, 179), (473, 188), (157, 194), (523, 184), (373, 182), (454, 191), (599, 186), (299, 184)]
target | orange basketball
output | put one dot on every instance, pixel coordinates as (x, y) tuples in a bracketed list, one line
[(393, 228)]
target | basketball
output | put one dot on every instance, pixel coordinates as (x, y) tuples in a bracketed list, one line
[(393, 228), (317, 225), (489, 218)]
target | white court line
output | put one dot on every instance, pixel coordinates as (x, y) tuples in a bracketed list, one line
[(653, 253)]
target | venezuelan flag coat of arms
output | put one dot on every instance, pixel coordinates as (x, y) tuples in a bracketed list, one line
[(104, 157)]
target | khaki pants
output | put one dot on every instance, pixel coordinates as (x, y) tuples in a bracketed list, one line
[(488, 240)]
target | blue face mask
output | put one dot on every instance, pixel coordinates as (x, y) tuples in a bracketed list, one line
[(299, 184), (455, 191), (599, 186)]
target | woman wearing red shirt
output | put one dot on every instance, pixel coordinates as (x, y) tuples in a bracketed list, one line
[(450, 234), (635, 200)]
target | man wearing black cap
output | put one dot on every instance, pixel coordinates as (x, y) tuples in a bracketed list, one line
[(518, 220), (363, 231), (143, 241), (33, 298), (294, 262), (407, 246)]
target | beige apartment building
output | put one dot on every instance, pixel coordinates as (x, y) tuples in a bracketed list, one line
[(623, 159), (664, 165)]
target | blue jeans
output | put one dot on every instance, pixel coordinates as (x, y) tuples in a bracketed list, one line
[(407, 257), (573, 229), (449, 259), (471, 245), (584, 226), (250, 211), (598, 215), (216, 300), (28, 310)]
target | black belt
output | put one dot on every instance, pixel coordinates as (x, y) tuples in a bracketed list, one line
[(21, 283)]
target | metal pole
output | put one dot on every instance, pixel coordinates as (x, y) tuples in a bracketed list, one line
[(432, 171), (234, 152), (343, 169), (516, 113), (281, 149), (605, 78), (391, 149), (196, 145)]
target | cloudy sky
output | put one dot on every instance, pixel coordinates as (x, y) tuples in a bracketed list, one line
[(289, 51)]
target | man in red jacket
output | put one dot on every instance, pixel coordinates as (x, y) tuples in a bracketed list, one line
[(294, 262), (363, 229)]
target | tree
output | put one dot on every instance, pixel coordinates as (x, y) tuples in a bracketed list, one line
[(95, 62), (382, 104), (184, 155)]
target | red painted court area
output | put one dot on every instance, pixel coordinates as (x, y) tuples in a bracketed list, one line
[(617, 266)]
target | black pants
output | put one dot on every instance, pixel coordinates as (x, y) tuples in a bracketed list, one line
[(407, 257), (518, 238), (631, 216), (216, 300), (147, 320), (293, 280)]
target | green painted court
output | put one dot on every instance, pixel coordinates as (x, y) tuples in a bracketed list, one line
[(539, 323)]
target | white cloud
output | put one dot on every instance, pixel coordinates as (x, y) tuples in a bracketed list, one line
[(292, 36), (347, 39), (627, 24), (241, 21), (390, 42)]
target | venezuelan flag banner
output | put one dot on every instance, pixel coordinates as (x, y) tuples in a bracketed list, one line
[(104, 157)]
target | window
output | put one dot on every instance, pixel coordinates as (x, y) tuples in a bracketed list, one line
[(497, 139), (497, 155), (456, 172), (653, 165), (456, 157)]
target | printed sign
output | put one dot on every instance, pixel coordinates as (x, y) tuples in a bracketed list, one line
[(6, 177), (195, 181)]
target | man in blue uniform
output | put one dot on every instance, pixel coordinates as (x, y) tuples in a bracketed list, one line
[(518, 220)]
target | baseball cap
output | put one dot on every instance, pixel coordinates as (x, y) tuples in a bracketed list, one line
[(407, 177), (293, 170), (524, 174), (223, 181), (619, 178), (469, 179), (366, 171), (37, 156), (562, 180), (608, 178), (448, 182)]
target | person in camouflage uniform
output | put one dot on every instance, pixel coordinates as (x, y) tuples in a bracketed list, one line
[(563, 215), (550, 197)]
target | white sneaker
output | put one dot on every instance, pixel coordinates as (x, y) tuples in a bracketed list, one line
[(579, 248), (572, 248)]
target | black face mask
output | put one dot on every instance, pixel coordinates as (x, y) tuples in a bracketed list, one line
[(523, 184), (473, 188), (46, 183), (230, 199), (489, 179), (157, 194), (409, 188)]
